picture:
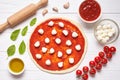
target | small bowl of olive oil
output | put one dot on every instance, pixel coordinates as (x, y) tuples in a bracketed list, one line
[(16, 66)]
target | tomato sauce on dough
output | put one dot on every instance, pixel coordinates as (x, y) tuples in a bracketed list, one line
[(77, 55)]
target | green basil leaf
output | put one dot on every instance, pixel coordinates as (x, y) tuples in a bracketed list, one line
[(33, 21), (24, 31), (11, 50), (15, 34), (22, 47)]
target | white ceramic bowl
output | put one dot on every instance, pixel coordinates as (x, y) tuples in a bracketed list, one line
[(16, 65), (90, 21)]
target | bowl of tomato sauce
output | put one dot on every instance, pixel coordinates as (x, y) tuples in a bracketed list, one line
[(90, 11)]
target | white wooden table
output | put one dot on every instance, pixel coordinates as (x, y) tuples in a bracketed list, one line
[(110, 9)]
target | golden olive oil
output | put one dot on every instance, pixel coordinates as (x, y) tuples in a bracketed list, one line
[(16, 65)]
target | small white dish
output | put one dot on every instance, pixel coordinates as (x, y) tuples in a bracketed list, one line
[(90, 11), (112, 24), (16, 66)]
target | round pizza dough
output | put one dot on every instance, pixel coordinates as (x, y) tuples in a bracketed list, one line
[(44, 37)]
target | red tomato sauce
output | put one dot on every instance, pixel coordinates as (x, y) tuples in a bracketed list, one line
[(89, 10)]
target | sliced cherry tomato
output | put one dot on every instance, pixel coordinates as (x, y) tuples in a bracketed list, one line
[(98, 66), (106, 49), (109, 55), (78, 72), (92, 63), (104, 61), (85, 69), (92, 71), (101, 54), (97, 59), (112, 49), (85, 76)]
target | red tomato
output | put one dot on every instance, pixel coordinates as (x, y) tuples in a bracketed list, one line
[(101, 54), (106, 49), (78, 72), (109, 55), (97, 59), (112, 49), (92, 63), (98, 66), (85, 76), (104, 61), (92, 71), (85, 69)]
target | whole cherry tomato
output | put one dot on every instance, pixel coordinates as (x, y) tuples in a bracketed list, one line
[(92, 63), (106, 49), (112, 49), (78, 72), (104, 61), (85, 69), (92, 71), (109, 55), (85, 76), (97, 59), (101, 54), (98, 66)]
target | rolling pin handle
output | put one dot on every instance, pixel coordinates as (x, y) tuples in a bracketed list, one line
[(41, 3), (4, 26)]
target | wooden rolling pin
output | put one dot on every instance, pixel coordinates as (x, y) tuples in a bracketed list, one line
[(22, 15)]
